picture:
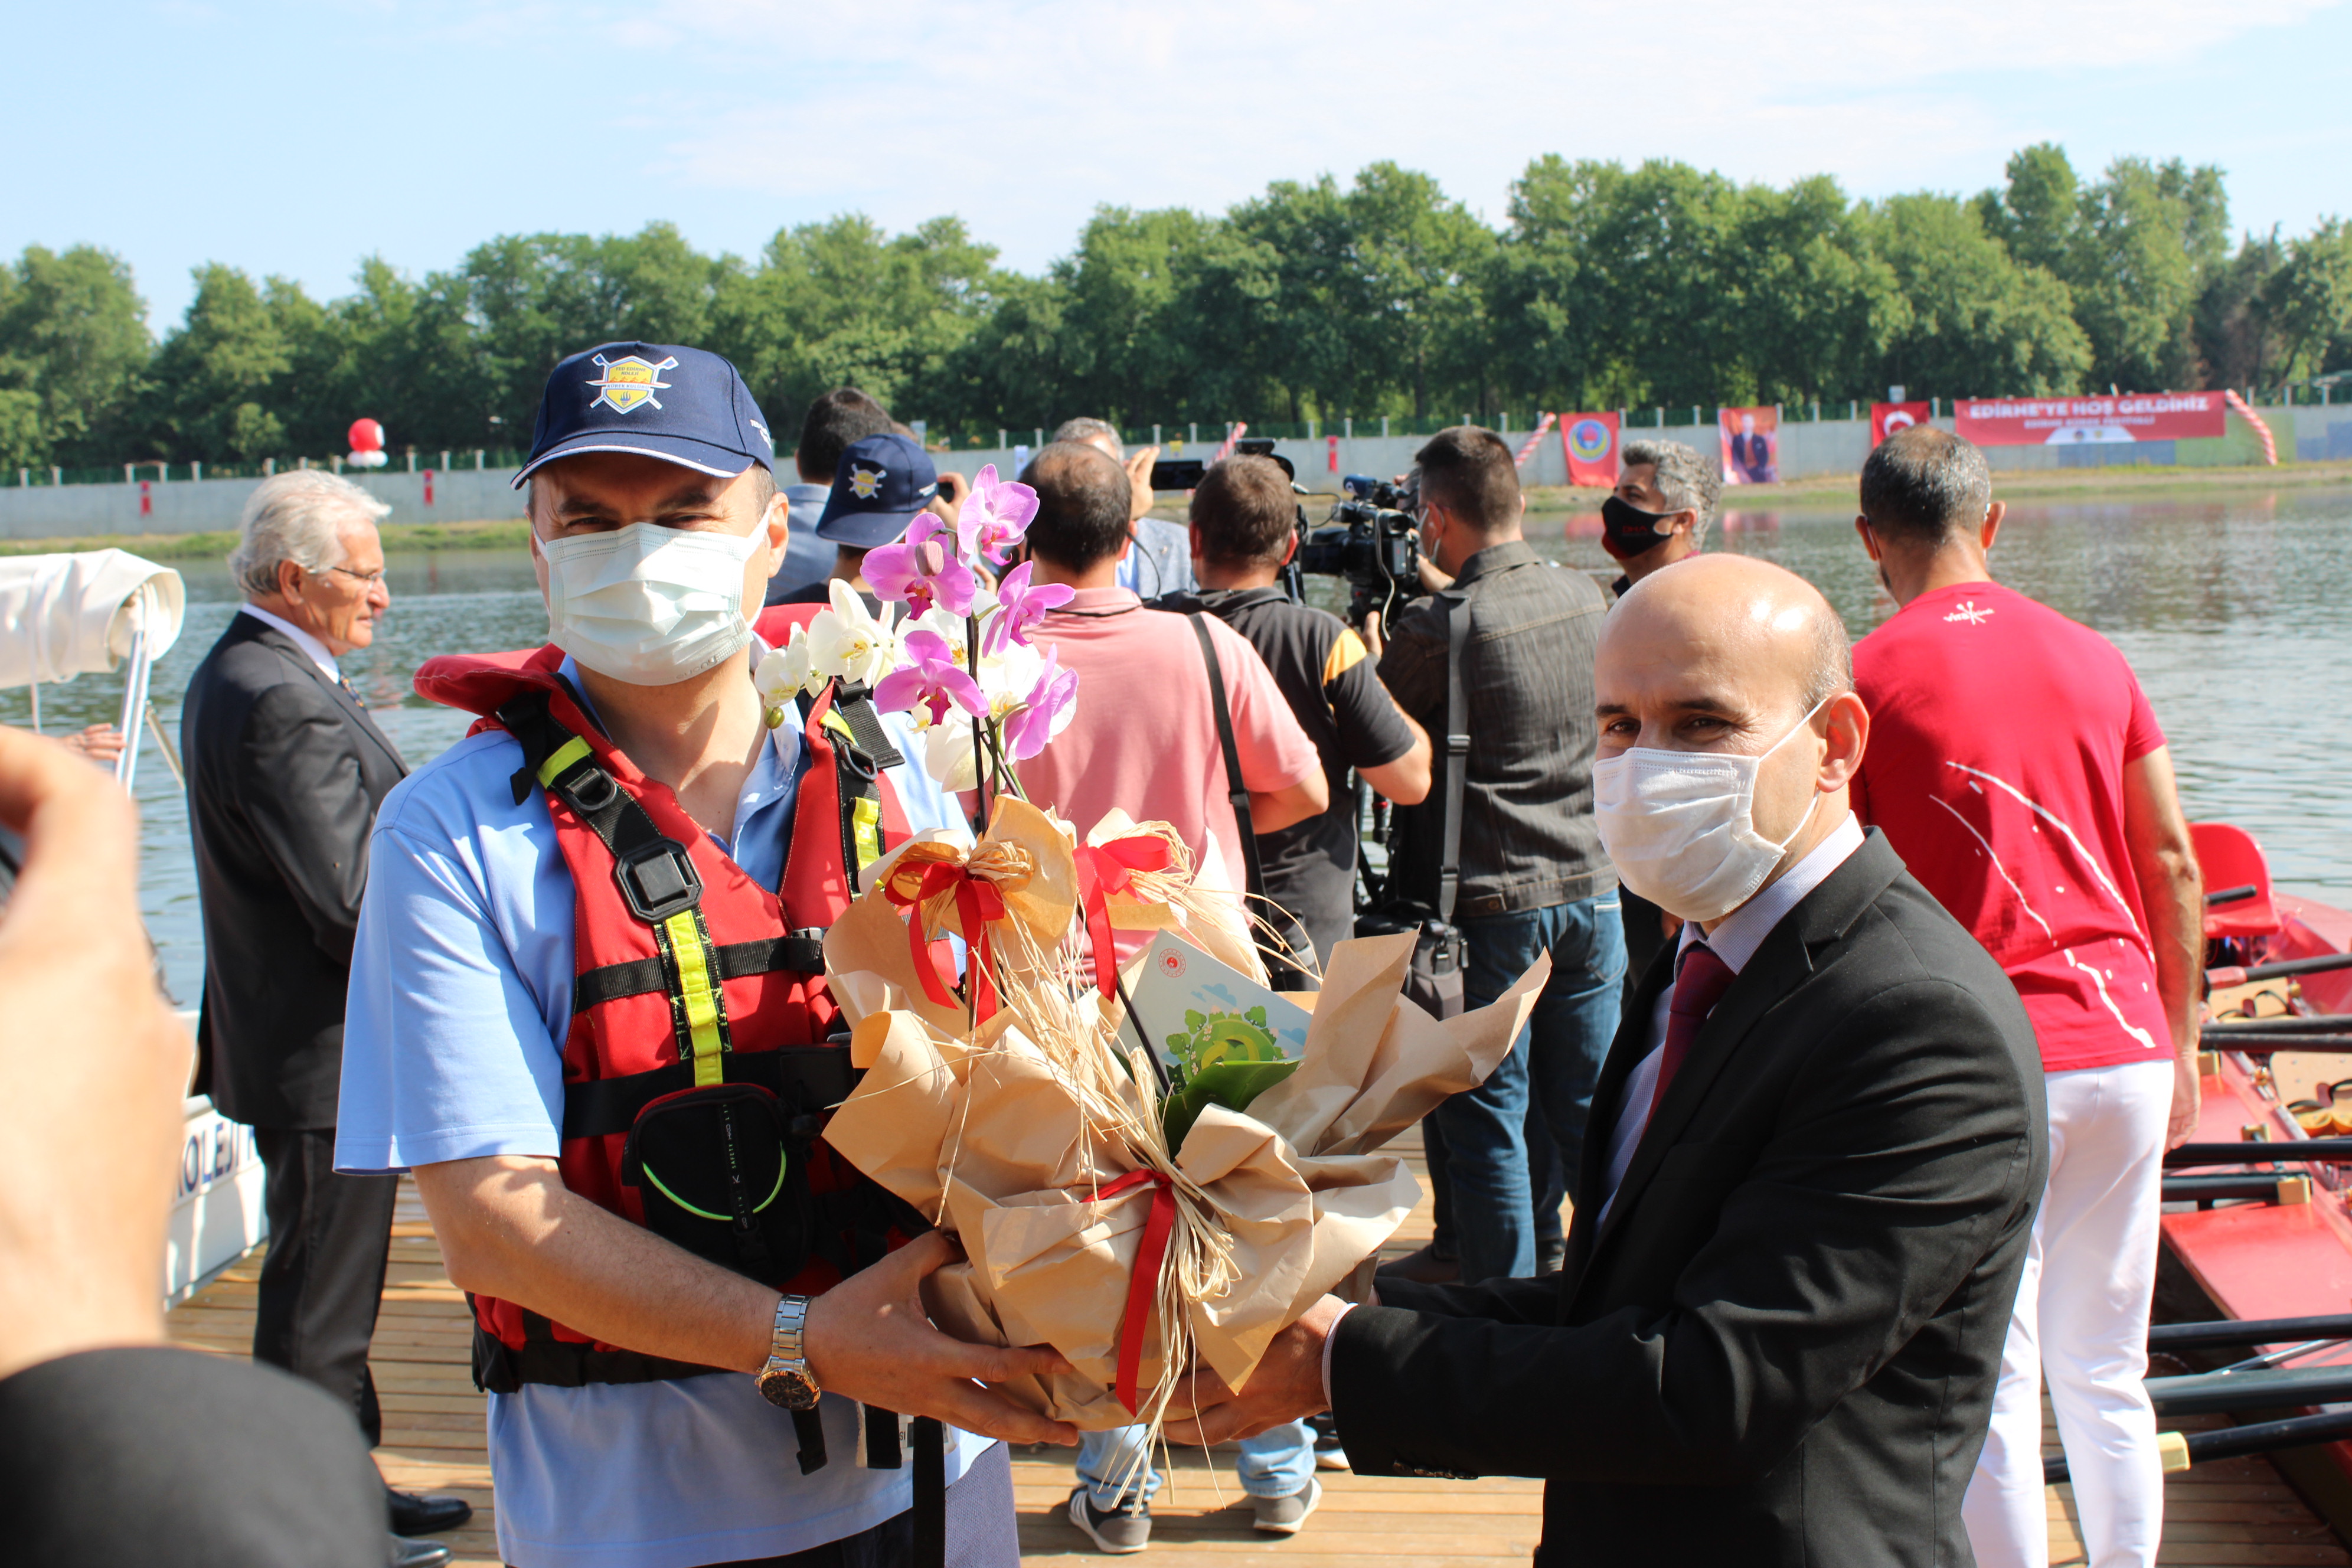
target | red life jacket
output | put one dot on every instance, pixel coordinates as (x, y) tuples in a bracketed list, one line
[(698, 1068)]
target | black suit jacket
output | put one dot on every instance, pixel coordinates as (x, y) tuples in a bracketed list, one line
[(1780, 1347), (285, 773)]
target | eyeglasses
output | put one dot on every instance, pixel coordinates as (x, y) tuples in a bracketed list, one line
[(367, 579)]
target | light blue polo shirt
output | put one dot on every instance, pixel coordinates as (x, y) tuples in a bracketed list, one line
[(460, 998)]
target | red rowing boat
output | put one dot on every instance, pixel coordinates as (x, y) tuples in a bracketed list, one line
[(2268, 1238)]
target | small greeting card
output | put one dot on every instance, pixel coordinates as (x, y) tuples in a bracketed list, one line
[(1198, 1014)]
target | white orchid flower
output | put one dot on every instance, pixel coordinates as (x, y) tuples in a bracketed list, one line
[(949, 754), (786, 672), (850, 642)]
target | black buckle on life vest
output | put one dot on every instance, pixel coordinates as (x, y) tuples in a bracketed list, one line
[(658, 880)]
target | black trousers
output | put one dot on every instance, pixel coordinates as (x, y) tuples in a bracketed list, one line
[(171, 1459), (981, 1532), (329, 1239)]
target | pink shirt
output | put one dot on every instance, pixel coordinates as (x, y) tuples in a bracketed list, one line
[(1998, 732), (1144, 737)]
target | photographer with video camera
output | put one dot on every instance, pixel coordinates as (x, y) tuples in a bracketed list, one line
[(1244, 532), (1518, 868)]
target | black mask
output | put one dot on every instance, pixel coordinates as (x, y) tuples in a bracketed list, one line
[(1626, 530)]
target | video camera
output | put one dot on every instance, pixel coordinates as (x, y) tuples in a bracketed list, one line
[(1371, 540)]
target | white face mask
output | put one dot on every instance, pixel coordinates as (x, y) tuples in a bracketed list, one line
[(648, 604), (1681, 826)]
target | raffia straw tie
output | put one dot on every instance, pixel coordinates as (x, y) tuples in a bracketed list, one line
[(1150, 1257)]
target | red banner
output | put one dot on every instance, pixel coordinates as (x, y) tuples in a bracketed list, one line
[(2089, 421), (1751, 444), (1886, 419), (1588, 442)]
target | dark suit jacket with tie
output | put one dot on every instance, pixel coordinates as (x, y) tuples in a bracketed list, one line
[(1780, 1347), (285, 773)]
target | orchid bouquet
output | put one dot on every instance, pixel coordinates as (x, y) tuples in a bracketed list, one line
[(959, 659)]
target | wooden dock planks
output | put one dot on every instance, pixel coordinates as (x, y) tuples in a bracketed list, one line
[(2235, 1514)]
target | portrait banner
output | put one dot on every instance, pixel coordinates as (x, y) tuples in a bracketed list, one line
[(1886, 419), (1588, 442), (1751, 444), (2090, 421)]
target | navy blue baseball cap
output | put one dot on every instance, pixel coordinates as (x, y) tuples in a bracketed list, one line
[(683, 406), (879, 485)]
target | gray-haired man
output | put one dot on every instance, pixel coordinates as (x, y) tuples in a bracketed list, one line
[(285, 771), (1666, 499), (1161, 560)]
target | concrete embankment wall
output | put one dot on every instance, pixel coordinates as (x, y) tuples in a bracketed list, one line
[(1807, 448)]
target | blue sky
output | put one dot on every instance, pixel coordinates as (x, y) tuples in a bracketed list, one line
[(298, 139)]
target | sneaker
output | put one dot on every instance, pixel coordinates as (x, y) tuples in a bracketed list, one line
[(1284, 1515), (1329, 1454), (1426, 1267), (1120, 1531)]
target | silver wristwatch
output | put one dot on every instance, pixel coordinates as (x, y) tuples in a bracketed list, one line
[(785, 1380)]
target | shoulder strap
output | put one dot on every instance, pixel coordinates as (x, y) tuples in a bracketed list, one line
[(1235, 790), (1457, 611)]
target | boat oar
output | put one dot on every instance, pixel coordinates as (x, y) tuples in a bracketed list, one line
[(2300, 1151), (2230, 1332), (2284, 1023), (2232, 895), (2223, 979), (2204, 1392), (2263, 1045), (2182, 1449)]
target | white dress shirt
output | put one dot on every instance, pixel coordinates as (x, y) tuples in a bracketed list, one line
[(303, 639), (1735, 942)]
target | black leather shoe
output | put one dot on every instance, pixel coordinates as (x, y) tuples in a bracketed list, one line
[(1425, 1267), (407, 1553), (415, 1515)]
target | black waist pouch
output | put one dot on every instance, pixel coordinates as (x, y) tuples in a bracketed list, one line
[(722, 1172), (1439, 954)]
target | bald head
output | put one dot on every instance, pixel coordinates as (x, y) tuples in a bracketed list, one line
[(1729, 655), (1735, 621)]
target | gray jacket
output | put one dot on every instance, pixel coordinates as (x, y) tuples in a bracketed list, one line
[(1528, 836)]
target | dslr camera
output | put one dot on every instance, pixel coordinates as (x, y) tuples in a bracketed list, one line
[(1371, 540)]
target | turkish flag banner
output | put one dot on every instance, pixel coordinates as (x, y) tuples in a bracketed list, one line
[(1588, 442), (2090, 421), (1886, 419)]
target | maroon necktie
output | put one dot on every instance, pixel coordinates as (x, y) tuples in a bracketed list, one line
[(1699, 984)]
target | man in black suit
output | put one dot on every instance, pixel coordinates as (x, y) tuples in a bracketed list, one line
[(1818, 1144), (285, 771)]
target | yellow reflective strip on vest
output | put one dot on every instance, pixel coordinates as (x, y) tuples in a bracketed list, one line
[(839, 725), (571, 751), (865, 828), (699, 995)]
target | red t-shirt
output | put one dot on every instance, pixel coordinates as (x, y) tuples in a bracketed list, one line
[(1999, 732)]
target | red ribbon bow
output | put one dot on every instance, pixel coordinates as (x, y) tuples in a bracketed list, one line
[(1108, 868), (977, 903), (1143, 1286)]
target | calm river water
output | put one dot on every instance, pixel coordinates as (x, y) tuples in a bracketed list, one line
[(2235, 613)]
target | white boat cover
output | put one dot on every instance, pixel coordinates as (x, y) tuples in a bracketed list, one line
[(61, 615)]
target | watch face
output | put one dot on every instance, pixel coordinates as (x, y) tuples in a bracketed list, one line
[(789, 1387)]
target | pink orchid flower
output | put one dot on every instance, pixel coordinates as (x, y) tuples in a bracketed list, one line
[(1045, 712), (930, 680), (994, 517), (1021, 607), (920, 571)]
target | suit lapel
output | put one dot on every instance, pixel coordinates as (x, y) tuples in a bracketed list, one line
[(287, 649), (1783, 962), (1625, 1053)]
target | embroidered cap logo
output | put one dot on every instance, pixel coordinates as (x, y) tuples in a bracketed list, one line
[(866, 483), (630, 382)]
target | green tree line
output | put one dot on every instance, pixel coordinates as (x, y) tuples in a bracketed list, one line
[(1605, 286)]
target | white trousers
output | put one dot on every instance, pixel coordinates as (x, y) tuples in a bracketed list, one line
[(2082, 1323)]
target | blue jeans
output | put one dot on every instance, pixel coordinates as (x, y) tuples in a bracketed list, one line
[(1551, 1069), (1275, 1463)]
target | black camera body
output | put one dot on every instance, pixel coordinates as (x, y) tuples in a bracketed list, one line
[(1371, 540)]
